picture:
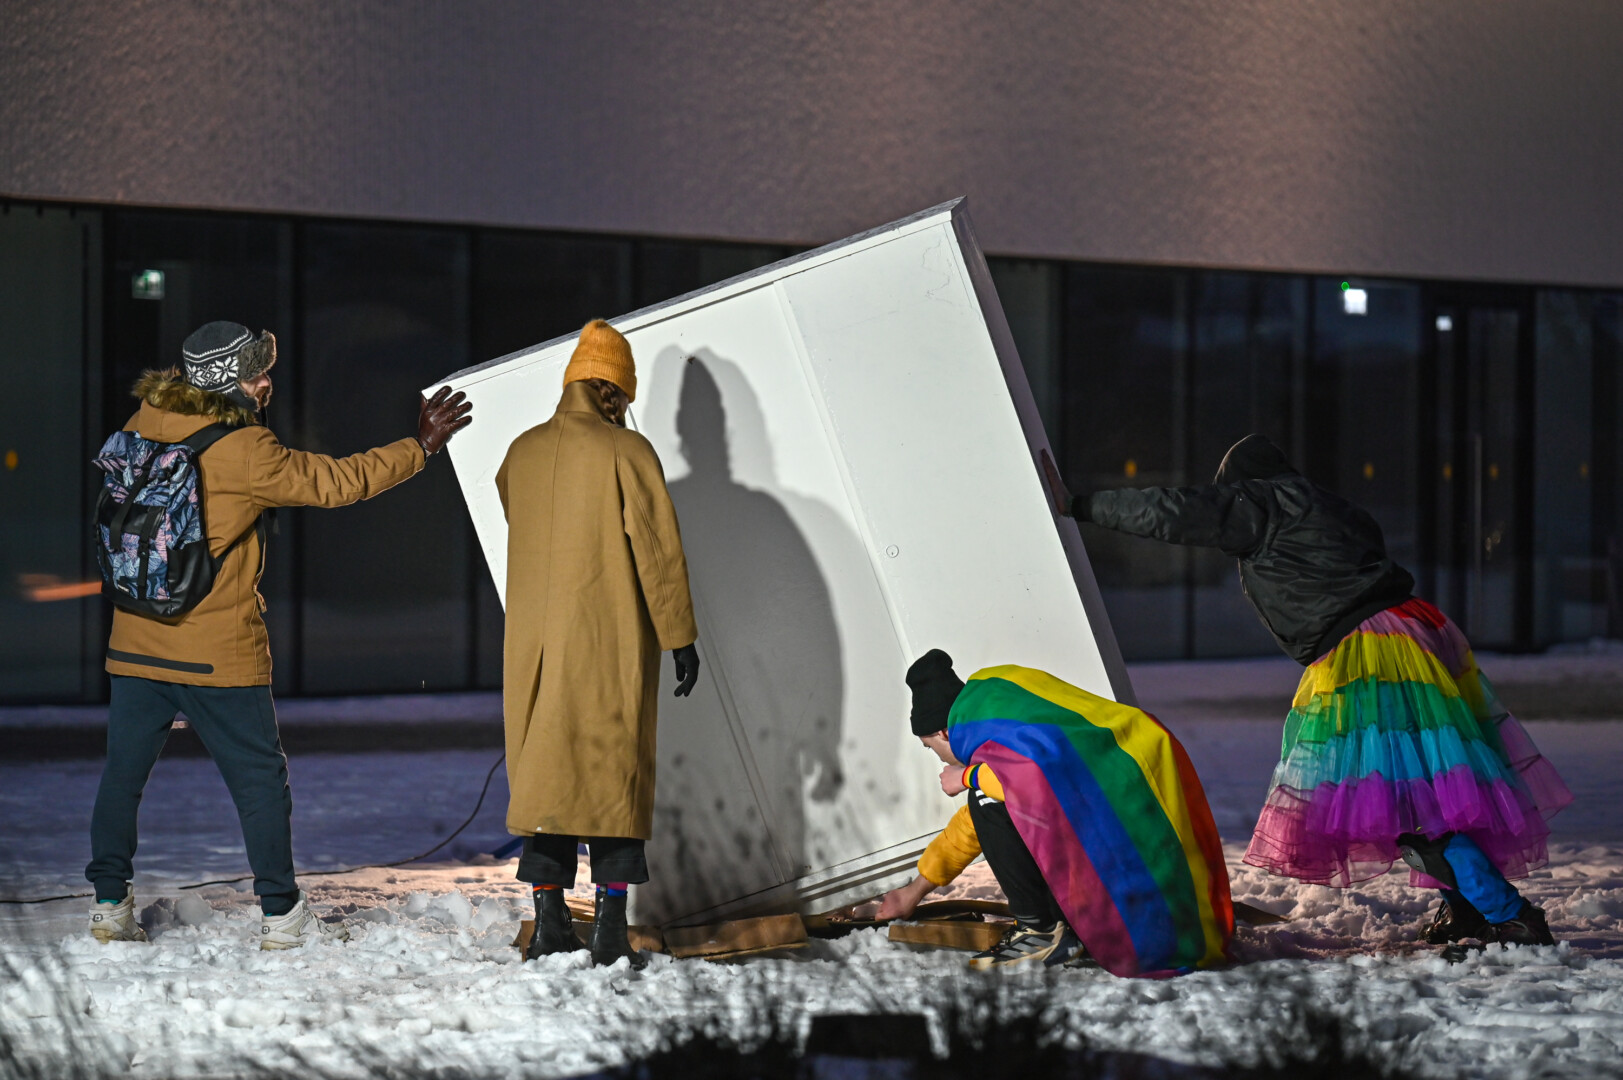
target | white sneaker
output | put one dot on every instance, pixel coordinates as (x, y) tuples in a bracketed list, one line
[(297, 928), (1028, 945), (116, 922)]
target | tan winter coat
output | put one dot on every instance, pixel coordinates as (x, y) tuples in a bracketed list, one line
[(222, 641), (597, 587)]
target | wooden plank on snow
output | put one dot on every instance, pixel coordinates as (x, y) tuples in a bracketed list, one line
[(737, 937), (970, 936)]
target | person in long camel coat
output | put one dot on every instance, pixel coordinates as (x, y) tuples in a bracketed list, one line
[(597, 588)]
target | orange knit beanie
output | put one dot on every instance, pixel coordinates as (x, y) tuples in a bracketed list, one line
[(603, 353)]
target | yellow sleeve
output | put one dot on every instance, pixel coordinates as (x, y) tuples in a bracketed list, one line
[(952, 851), (986, 781)]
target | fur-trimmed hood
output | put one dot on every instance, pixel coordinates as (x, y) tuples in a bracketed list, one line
[(169, 391)]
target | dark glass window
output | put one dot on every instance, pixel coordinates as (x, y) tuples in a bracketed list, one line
[(1572, 605), (530, 288), (1363, 414), (1607, 457), (1249, 352), (385, 582), (52, 637), (1031, 291), (1125, 417)]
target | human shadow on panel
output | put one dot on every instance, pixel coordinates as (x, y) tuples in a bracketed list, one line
[(768, 629)]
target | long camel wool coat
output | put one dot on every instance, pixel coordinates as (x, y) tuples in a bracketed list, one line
[(597, 587)]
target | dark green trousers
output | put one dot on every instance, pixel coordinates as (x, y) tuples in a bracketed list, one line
[(237, 725)]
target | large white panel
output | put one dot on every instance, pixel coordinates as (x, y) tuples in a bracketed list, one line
[(849, 443)]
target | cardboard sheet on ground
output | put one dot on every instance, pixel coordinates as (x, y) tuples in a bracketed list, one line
[(851, 446)]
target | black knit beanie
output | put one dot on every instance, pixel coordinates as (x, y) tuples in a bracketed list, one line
[(935, 687)]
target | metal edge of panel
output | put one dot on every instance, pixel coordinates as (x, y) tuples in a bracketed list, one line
[(765, 274)]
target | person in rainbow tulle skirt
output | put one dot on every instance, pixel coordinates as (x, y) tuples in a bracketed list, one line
[(1396, 747)]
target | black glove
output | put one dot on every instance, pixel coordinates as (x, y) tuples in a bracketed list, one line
[(1082, 507), (687, 669)]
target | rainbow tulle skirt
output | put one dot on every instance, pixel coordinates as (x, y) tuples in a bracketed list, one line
[(1395, 731)]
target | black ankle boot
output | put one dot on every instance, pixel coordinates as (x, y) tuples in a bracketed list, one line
[(1455, 920), (1527, 928), (609, 940), (554, 926)]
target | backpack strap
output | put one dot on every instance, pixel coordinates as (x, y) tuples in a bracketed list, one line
[(199, 441), (203, 438)]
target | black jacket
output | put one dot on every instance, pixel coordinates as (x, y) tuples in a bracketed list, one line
[(1312, 564)]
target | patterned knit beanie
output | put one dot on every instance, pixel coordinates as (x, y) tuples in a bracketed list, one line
[(220, 356), (603, 353)]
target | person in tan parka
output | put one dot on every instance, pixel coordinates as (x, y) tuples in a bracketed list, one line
[(213, 663), (597, 588)]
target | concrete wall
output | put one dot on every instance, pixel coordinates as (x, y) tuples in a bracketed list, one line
[(1470, 139)]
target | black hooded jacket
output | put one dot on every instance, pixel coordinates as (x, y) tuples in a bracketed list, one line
[(1312, 564)]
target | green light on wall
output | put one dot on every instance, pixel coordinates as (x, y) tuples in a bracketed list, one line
[(147, 285)]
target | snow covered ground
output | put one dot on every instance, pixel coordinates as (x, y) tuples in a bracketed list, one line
[(430, 980)]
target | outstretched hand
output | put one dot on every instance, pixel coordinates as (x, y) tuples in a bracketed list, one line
[(902, 902), (1059, 495), (440, 417), (687, 669)]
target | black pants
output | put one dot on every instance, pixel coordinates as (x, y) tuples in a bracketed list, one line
[(549, 859), (1030, 899), (237, 725)]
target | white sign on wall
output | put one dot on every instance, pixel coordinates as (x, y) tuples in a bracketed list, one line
[(851, 446)]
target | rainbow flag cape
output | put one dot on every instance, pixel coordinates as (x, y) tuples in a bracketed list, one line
[(1109, 805)]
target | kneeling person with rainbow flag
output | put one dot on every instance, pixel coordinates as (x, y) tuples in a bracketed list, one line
[(1089, 814)]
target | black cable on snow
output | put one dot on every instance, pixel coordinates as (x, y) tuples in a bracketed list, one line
[(489, 776)]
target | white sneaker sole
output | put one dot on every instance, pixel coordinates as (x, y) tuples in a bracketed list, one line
[(271, 944), (990, 964), (108, 935)]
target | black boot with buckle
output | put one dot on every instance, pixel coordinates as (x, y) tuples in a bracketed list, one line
[(609, 935), (1456, 920)]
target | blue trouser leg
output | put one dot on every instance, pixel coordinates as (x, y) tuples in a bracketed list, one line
[(138, 722), (238, 726), (1480, 882)]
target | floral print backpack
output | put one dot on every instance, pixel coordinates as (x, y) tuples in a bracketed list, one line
[(150, 541)]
